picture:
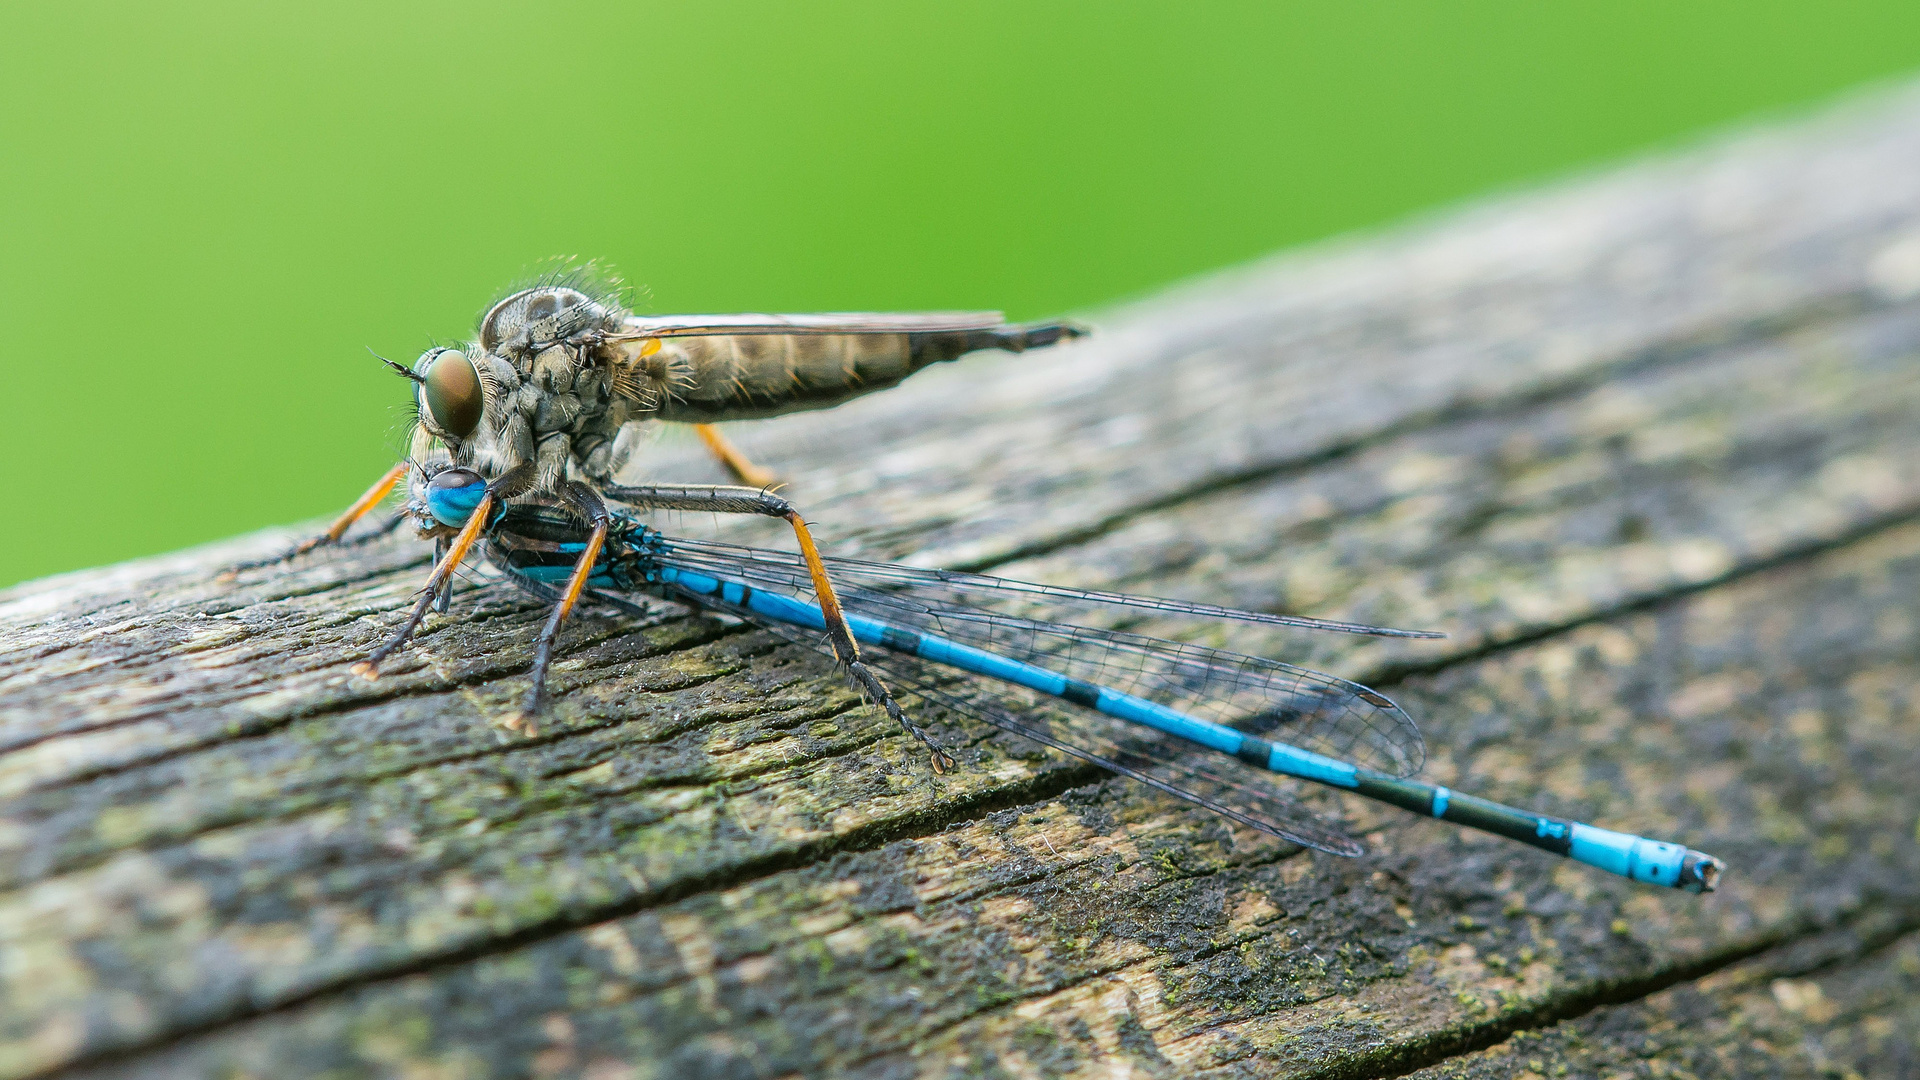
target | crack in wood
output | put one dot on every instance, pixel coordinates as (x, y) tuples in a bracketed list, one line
[(1885, 927)]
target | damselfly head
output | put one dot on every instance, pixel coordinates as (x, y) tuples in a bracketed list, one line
[(450, 394), (452, 494)]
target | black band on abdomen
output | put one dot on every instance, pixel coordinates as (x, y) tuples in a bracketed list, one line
[(1082, 693), (902, 641), (1255, 751)]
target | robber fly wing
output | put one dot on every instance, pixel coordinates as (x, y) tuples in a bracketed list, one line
[(831, 322), (907, 582)]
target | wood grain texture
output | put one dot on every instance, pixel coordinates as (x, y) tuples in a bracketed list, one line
[(1644, 444)]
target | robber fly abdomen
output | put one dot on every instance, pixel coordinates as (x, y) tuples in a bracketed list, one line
[(704, 380)]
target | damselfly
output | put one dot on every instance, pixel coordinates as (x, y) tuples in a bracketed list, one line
[(1209, 726), (521, 431)]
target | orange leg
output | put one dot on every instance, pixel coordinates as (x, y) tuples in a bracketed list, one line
[(848, 650), (358, 510), (340, 525), (737, 463)]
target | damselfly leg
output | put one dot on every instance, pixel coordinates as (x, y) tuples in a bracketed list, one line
[(440, 546)]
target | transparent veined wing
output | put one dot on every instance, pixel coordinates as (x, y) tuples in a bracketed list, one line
[(1221, 784), (981, 590), (1224, 785), (1269, 698), (1261, 697), (830, 322)]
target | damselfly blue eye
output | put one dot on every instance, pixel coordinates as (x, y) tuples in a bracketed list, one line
[(451, 397), (453, 493)]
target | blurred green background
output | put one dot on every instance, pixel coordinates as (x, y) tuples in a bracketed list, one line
[(208, 211)]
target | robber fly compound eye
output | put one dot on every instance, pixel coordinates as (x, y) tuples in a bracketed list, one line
[(451, 397), (536, 313)]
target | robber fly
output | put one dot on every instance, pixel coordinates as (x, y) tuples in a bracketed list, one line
[(541, 407)]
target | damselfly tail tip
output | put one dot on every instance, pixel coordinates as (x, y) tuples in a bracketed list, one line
[(1700, 872)]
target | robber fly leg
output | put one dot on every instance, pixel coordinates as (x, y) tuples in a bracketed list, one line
[(500, 490), (363, 537), (340, 525), (742, 500), (737, 463), (385, 528), (589, 507)]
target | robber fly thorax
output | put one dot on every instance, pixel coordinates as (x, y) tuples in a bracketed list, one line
[(549, 384), (543, 406)]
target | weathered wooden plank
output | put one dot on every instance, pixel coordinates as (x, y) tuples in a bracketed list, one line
[(1107, 929), (1576, 430)]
